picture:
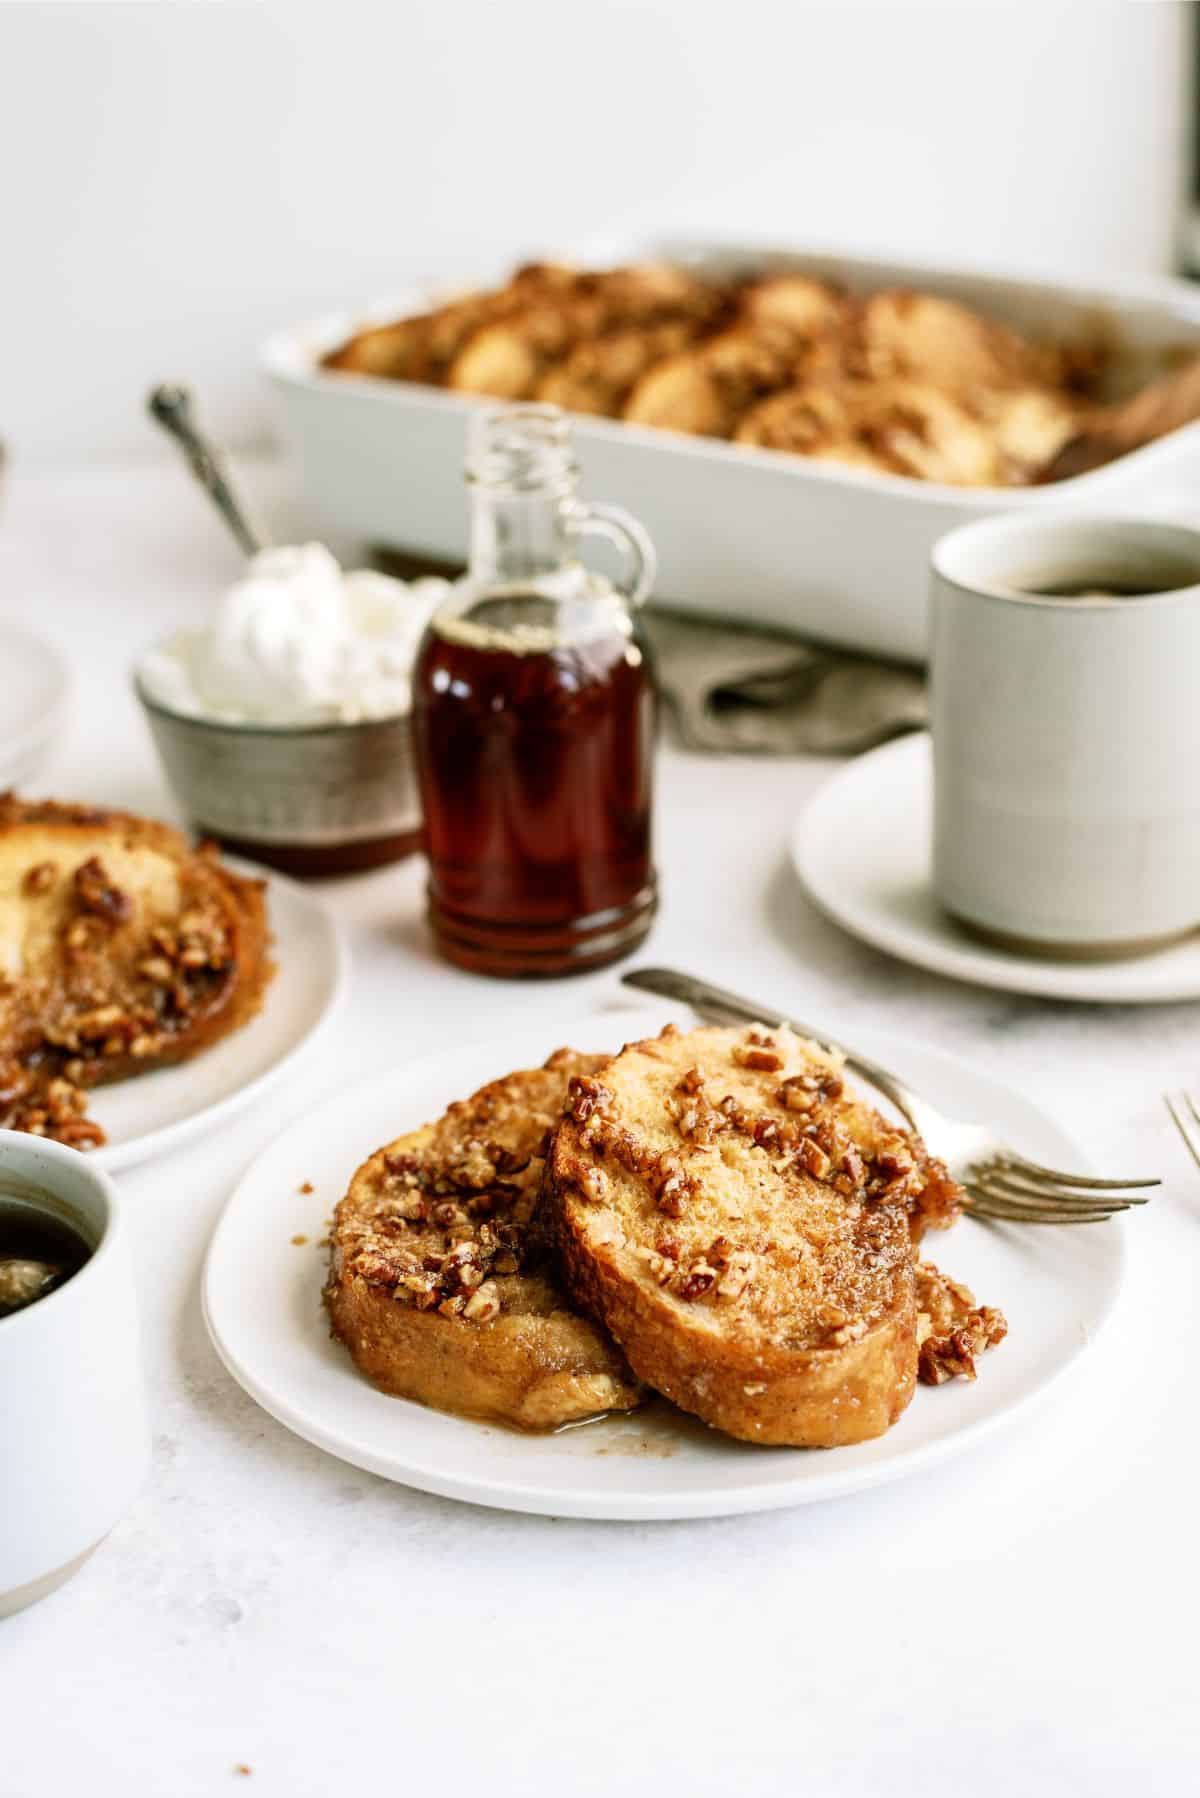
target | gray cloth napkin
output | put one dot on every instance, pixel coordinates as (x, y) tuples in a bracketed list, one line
[(739, 689), (744, 690)]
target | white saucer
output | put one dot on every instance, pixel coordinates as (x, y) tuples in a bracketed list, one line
[(34, 688), (862, 851), (169, 1107), (262, 1305)]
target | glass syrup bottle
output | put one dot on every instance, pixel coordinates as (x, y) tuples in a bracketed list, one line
[(534, 720)]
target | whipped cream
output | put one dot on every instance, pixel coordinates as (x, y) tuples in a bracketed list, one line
[(297, 641)]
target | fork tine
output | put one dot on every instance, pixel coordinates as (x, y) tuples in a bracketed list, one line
[(1046, 1202), (993, 1214), (983, 1199), (1083, 1182), (1189, 1133), (1007, 1186)]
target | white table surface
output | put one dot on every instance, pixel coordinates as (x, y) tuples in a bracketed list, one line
[(1019, 1621)]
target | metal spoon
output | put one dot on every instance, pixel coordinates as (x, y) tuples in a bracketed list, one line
[(171, 406)]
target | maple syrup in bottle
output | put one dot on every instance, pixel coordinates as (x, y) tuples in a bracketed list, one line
[(534, 719)]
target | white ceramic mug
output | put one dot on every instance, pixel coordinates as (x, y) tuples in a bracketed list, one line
[(74, 1441), (1066, 733)]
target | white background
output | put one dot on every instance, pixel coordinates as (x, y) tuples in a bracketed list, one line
[(180, 179)]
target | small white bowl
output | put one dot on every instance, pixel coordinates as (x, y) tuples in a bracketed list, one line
[(74, 1437), (305, 798)]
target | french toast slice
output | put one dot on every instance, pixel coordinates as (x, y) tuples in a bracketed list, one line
[(746, 1232), (122, 949), (437, 1283)]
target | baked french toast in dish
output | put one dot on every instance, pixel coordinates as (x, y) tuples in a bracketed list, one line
[(898, 381), (747, 1232), (438, 1284), (122, 948)]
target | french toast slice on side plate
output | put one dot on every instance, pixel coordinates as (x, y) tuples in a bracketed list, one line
[(438, 1284), (122, 948), (746, 1232)]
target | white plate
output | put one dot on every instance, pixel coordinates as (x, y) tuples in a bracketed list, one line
[(262, 1305), (34, 685), (862, 851), (163, 1110)]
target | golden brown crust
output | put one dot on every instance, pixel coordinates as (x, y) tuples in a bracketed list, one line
[(745, 1232), (122, 949), (895, 381), (438, 1284)]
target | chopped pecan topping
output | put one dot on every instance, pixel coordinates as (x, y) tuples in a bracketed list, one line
[(695, 1117), (699, 1279), (404, 1167), (586, 1096), (96, 893), (813, 1159), (951, 1328), (853, 1166), (593, 1184), (768, 1061), (803, 1092), (476, 1169), (374, 1268), (673, 1187), (39, 879), (483, 1305), (894, 1163)]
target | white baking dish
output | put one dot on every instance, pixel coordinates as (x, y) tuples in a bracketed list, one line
[(835, 553)]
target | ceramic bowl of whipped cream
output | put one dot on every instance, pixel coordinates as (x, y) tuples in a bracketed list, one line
[(283, 725)]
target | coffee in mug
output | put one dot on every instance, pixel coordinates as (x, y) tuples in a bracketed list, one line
[(1066, 732)]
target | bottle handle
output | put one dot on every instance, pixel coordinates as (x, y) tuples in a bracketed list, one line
[(616, 526)]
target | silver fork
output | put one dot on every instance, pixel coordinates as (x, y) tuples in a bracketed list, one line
[(999, 1183), (1186, 1120)]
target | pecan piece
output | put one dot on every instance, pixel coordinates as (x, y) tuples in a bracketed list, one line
[(586, 1096), (39, 879), (593, 1184), (483, 1305), (768, 1061), (699, 1279), (673, 1187), (96, 893), (813, 1159)]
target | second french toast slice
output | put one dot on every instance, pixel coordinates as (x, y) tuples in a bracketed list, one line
[(438, 1285)]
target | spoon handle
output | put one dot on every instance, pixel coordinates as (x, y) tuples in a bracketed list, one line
[(171, 407)]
